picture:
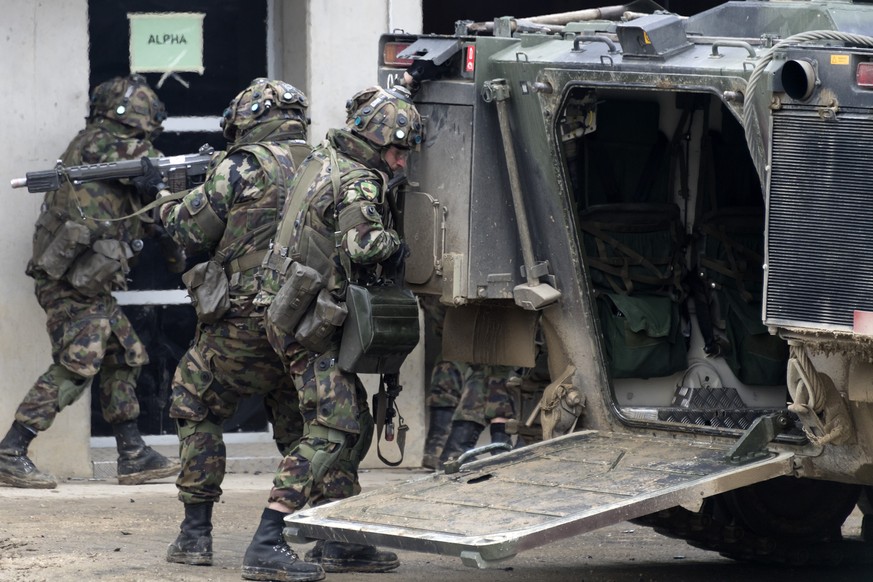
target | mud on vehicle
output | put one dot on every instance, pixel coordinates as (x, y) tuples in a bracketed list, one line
[(677, 210)]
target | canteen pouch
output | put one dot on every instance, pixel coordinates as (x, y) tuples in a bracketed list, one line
[(294, 297), (208, 289), (316, 330), (101, 268), (381, 329), (55, 249)]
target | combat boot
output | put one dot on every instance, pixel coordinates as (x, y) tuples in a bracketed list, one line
[(338, 557), (464, 436), (16, 468), (499, 435), (268, 557), (439, 426), (137, 462), (193, 546)]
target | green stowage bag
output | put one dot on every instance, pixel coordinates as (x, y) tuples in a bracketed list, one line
[(642, 335), (754, 356)]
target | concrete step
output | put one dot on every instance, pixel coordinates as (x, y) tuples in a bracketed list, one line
[(252, 453)]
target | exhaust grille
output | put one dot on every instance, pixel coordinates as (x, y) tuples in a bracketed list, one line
[(820, 221)]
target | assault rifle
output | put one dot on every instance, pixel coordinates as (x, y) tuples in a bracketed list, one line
[(180, 172)]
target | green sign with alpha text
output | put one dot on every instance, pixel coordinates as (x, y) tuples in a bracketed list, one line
[(170, 42)]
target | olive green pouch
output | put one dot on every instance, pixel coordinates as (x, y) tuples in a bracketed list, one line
[(208, 289), (381, 330), (55, 249), (316, 330), (101, 268), (294, 297)]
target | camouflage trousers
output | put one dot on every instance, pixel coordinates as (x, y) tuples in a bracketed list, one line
[(337, 433), (88, 335), (229, 361), (476, 392)]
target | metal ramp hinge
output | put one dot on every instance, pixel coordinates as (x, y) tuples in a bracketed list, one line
[(752, 446)]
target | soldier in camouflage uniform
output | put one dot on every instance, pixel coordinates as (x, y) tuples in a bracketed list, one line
[(338, 212), (232, 216), (78, 259), (463, 399), (484, 401), (446, 379)]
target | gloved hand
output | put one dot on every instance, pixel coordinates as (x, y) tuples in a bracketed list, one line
[(173, 254), (150, 183), (394, 267)]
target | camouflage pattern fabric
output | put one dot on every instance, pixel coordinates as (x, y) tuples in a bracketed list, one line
[(243, 190), (231, 359), (100, 142), (327, 394), (89, 334), (484, 396), (446, 383), (330, 398)]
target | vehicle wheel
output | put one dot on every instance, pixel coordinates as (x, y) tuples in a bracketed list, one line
[(806, 510), (865, 504)]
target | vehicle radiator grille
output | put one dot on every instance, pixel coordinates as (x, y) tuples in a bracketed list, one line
[(820, 221)]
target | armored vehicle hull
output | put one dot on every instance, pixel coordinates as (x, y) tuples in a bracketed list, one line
[(673, 214)]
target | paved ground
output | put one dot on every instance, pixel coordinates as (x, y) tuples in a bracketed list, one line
[(97, 530)]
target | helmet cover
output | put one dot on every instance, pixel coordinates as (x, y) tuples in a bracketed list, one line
[(385, 118), (263, 100), (130, 101)]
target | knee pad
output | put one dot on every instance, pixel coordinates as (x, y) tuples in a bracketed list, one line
[(320, 459)]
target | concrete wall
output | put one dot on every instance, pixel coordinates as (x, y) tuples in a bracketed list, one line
[(44, 80)]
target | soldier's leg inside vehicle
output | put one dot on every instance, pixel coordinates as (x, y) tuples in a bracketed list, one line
[(468, 421), (499, 406), (445, 391)]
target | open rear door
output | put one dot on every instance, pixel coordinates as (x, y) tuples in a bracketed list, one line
[(494, 508)]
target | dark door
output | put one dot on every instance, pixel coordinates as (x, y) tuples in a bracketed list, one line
[(234, 53)]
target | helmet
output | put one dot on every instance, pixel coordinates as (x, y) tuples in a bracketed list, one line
[(385, 118), (129, 101), (262, 100)]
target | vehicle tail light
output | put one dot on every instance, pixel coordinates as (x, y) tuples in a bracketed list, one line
[(469, 58), (390, 52), (864, 75)]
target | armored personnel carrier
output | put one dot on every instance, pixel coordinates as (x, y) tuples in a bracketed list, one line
[(676, 212)]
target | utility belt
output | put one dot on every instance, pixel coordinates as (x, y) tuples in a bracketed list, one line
[(208, 284)]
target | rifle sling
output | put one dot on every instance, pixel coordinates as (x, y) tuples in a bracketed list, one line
[(381, 413)]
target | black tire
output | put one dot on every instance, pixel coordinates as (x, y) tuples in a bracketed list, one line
[(803, 510)]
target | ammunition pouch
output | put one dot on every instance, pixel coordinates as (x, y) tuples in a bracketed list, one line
[(294, 297), (208, 289), (381, 329), (56, 245), (316, 330), (101, 268)]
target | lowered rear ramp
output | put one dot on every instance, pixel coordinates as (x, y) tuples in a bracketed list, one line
[(500, 506)]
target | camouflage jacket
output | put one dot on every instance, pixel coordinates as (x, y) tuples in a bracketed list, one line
[(101, 141), (233, 214), (354, 222)]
